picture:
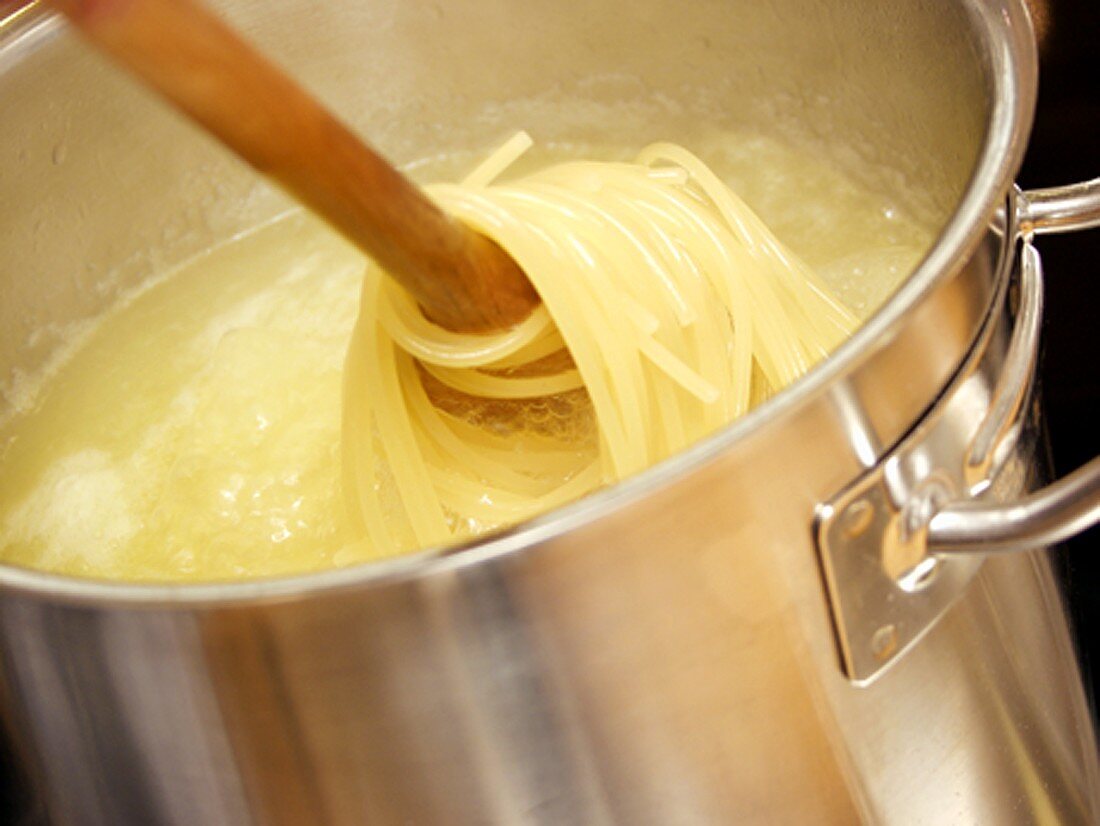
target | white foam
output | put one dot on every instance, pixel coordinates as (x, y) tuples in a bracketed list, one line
[(80, 510)]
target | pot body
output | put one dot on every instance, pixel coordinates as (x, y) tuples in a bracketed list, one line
[(662, 652)]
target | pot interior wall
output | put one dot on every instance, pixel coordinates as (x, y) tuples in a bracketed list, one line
[(103, 185)]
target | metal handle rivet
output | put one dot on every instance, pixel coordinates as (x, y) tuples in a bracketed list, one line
[(857, 518), (884, 642)]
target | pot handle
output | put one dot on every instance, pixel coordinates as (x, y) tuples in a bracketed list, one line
[(901, 543), (1055, 513), (1071, 505), (1059, 208)]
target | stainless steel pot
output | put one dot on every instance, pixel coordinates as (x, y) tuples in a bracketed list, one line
[(783, 625)]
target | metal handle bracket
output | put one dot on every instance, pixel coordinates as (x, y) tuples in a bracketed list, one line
[(900, 544)]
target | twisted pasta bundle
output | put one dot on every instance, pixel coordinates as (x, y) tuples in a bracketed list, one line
[(668, 309)]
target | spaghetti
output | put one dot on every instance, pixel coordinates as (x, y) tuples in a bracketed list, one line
[(668, 309)]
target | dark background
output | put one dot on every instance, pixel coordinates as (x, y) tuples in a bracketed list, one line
[(1064, 147)]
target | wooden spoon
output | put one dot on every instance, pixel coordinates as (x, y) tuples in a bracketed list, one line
[(462, 279)]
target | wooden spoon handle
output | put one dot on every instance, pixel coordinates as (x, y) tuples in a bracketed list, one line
[(462, 279)]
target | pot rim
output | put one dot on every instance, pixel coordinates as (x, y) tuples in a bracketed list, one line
[(1005, 30)]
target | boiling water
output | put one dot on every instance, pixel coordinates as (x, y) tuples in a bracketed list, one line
[(193, 433)]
